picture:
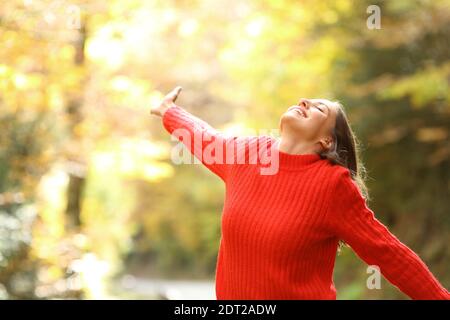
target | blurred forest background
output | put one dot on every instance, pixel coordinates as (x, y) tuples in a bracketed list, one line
[(88, 193)]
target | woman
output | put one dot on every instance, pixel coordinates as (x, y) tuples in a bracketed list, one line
[(280, 232)]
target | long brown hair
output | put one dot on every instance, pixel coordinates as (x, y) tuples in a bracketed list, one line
[(345, 152)]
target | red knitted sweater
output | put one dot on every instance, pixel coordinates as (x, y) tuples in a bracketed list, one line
[(280, 232)]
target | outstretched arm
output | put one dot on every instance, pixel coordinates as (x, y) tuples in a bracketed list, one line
[(353, 222), (203, 141)]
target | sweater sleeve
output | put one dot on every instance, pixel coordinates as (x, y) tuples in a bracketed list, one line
[(355, 223), (203, 141)]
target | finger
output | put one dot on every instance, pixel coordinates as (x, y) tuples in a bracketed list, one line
[(173, 95), (177, 92)]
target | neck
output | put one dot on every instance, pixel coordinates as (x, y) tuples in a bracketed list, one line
[(294, 146)]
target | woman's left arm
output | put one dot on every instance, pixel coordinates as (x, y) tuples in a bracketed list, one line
[(352, 221)]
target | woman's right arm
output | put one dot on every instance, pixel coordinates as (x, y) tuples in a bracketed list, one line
[(203, 141)]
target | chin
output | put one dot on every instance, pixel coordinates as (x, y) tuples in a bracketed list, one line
[(290, 122), (288, 117)]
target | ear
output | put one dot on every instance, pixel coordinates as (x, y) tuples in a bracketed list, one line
[(326, 142)]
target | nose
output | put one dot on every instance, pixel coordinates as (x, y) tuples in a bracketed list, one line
[(304, 103)]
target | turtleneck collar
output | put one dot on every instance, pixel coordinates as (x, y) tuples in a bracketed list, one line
[(294, 161)]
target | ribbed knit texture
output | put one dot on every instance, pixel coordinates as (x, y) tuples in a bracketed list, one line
[(280, 232)]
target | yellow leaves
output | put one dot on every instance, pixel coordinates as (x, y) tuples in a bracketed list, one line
[(3, 70), (155, 97), (106, 52), (105, 47), (51, 243), (240, 53), (30, 92), (67, 52), (328, 47), (156, 171), (146, 148), (55, 97), (52, 201), (432, 134), (388, 135), (18, 80), (169, 16), (343, 5), (118, 41), (94, 273), (133, 159), (424, 134), (121, 83), (188, 27), (374, 86), (329, 16), (422, 87), (407, 22), (133, 93), (255, 27), (103, 162), (187, 234), (26, 81)]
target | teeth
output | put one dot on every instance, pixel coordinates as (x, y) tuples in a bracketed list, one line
[(301, 113)]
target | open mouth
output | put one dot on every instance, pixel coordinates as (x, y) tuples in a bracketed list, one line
[(299, 110)]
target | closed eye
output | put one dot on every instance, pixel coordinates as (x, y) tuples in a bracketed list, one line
[(323, 107), (320, 109)]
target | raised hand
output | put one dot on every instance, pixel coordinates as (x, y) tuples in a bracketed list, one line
[(167, 102)]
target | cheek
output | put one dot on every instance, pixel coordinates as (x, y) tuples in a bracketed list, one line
[(319, 121), (328, 125), (314, 127)]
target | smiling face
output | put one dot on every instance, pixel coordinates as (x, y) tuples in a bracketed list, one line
[(311, 121)]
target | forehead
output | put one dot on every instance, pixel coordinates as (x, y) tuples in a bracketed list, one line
[(323, 101), (332, 106)]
